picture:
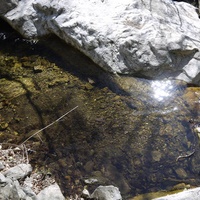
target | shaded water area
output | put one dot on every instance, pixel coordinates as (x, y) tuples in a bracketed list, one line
[(126, 131)]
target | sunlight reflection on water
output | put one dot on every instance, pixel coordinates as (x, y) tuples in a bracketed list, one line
[(162, 89)]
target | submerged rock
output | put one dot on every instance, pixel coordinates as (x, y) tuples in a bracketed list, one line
[(107, 193), (153, 39)]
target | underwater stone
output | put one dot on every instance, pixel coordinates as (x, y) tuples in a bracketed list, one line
[(156, 155), (3, 126), (106, 193), (181, 173)]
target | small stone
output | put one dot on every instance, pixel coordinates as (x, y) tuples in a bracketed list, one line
[(89, 166), (88, 86), (17, 65), (38, 69), (2, 179), (181, 173), (3, 126), (18, 172), (107, 193), (90, 181), (156, 155), (85, 194), (181, 186)]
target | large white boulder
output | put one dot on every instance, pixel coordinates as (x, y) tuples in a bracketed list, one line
[(154, 39), (192, 194)]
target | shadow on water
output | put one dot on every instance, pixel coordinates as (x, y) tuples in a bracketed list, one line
[(126, 131)]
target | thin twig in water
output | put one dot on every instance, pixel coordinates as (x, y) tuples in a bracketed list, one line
[(49, 124), (195, 132), (26, 153), (186, 156)]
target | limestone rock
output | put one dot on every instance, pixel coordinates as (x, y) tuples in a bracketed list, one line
[(8, 188), (52, 192), (19, 171), (154, 39), (85, 194), (7, 5), (106, 193), (185, 195)]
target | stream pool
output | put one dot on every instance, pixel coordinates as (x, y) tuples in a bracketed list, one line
[(134, 133)]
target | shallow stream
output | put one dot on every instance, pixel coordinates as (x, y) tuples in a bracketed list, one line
[(125, 131)]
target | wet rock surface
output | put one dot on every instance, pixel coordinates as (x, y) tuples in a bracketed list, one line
[(126, 132), (152, 39), (187, 194), (106, 192)]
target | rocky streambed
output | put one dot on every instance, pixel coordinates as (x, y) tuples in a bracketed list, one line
[(133, 133)]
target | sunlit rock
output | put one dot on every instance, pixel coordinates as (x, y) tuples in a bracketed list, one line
[(19, 171), (185, 195), (154, 39), (7, 5), (107, 193), (51, 192)]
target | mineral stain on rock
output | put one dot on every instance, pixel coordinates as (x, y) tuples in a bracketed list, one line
[(120, 131)]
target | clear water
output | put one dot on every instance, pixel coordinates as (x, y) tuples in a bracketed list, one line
[(126, 131)]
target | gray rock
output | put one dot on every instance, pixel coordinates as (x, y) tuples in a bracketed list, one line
[(18, 172), (106, 193), (192, 194), (90, 181), (1, 165), (151, 38), (85, 194), (7, 5), (25, 192), (52, 192), (8, 189), (29, 193), (2, 179)]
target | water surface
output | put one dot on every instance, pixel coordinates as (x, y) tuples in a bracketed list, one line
[(126, 131)]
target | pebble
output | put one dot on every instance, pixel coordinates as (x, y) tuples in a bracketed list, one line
[(2, 179), (156, 155), (85, 194), (90, 181), (3, 126), (181, 173)]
